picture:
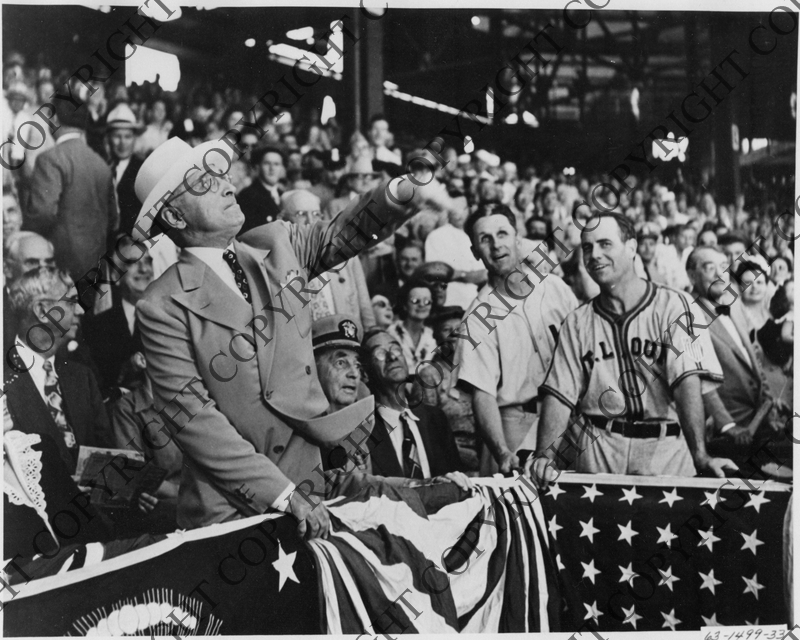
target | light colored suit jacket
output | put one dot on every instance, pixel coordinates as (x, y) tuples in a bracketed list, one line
[(743, 389), (246, 424)]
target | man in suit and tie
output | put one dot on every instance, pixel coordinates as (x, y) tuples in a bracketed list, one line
[(112, 335), (261, 201), (411, 444), (47, 394), (227, 337), (122, 129), (743, 391), (72, 201)]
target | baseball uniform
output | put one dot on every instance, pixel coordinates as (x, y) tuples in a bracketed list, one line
[(508, 356), (624, 369)]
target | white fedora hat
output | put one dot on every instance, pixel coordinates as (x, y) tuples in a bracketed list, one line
[(164, 172), (123, 117)]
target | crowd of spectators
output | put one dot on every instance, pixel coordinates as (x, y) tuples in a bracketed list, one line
[(72, 198)]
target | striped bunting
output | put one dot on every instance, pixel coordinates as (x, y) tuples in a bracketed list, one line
[(436, 560)]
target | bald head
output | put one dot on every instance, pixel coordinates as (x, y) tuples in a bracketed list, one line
[(300, 207)]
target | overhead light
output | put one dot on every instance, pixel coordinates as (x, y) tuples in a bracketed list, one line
[(250, 42), (391, 86), (529, 119), (303, 33), (392, 92), (481, 23), (512, 118), (476, 20), (469, 145), (290, 55), (328, 110)]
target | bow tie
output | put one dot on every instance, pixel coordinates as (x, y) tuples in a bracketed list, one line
[(724, 309)]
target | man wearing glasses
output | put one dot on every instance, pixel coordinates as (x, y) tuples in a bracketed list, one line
[(227, 334), (414, 444), (49, 395)]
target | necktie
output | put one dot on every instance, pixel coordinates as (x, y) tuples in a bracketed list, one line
[(52, 392), (724, 309), (411, 465), (241, 279)]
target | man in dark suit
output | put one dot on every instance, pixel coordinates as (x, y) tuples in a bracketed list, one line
[(261, 201), (235, 383), (113, 335), (121, 131), (411, 444), (743, 391), (72, 200), (46, 394)]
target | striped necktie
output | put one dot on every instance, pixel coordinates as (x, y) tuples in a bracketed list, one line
[(411, 464), (52, 392)]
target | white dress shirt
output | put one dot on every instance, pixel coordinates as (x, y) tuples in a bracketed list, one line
[(392, 418), (130, 314), (120, 169), (35, 364), (213, 258)]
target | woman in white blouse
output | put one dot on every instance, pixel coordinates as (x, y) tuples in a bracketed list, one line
[(413, 307)]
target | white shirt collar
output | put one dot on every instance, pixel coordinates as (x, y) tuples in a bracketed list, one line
[(392, 416), (212, 256), (27, 354)]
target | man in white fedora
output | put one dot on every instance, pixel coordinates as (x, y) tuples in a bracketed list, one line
[(122, 129), (227, 335)]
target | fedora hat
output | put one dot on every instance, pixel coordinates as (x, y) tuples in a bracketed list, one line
[(361, 165), (164, 172), (123, 117)]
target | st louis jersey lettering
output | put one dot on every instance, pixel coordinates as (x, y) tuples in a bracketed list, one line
[(627, 366)]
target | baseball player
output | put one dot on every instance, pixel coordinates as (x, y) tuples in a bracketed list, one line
[(507, 337), (629, 366)]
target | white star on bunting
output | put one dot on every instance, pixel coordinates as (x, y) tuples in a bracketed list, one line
[(555, 491), (631, 616), (589, 571), (670, 620), (708, 538), (670, 498), (628, 574), (626, 533), (751, 542), (752, 585), (284, 566), (709, 581), (553, 526), (592, 612), (591, 493), (712, 497), (756, 500), (588, 530), (667, 578), (629, 496), (712, 621), (665, 535)]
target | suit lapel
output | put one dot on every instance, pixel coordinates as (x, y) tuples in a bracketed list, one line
[(209, 297), (254, 264), (384, 458)]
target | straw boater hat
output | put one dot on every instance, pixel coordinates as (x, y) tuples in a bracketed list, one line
[(164, 171), (123, 117)]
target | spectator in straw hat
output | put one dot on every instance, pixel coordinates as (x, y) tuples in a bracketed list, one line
[(359, 179), (122, 129), (249, 406)]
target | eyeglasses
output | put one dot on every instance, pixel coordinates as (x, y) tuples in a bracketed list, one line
[(311, 213), (709, 268), (207, 182), (70, 300), (420, 302), (380, 353)]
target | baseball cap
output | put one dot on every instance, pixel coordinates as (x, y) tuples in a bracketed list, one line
[(335, 331)]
